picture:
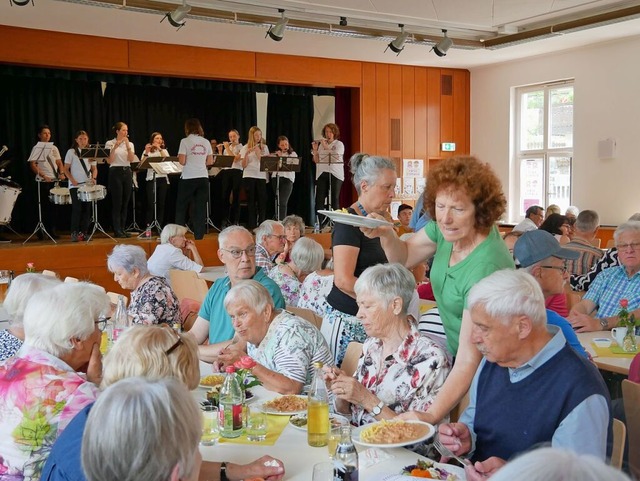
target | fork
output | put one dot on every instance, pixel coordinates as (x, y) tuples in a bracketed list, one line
[(442, 449)]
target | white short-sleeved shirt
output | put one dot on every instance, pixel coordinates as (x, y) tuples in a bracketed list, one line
[(335, 153), (168, 256), (196, 149), (121, 158), (252, 170), (43, 164), (157, 153), (288, 175), (77, 171)]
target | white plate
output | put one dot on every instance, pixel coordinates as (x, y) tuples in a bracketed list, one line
[(334, 417), (269, 410), (451, 469), (354, 220), (602, 342), (355, 436)]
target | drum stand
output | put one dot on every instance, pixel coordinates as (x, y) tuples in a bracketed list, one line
[(39, 226), (155, 222), (133, 227), (96, 224)]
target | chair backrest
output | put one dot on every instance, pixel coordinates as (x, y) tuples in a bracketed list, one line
[(47, 272), (573, 297), (596, 242), (611, 243), (631, 397), (71, 279), (187, 285), (113, 297), (306, 314), (619, 437), (351, 357)]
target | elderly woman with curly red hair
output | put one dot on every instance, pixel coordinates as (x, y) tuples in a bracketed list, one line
[(465, 199)]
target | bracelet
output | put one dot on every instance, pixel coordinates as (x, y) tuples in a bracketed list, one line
[(223, 471)]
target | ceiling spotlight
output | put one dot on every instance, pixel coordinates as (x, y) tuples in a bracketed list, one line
[(177, 17), (343, 21), (397, 45), (276, 32), (443, 45), (21, 3)]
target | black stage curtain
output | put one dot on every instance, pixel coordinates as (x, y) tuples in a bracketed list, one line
[(292, 116)]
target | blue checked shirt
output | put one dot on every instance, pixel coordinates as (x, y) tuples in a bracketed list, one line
[(610, 286)]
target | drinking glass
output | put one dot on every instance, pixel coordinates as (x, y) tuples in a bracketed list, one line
[(256, 424), (210, 431), (5, 281), (333, 438), (323, 472)]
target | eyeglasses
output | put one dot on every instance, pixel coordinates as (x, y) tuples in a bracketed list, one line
[(237, 253), (564, 268), (634, 246), (175, 344), (281, 237), (102, 323)]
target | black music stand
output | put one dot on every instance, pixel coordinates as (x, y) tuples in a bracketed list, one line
[(95, 152), (330, 159), (40, 152), (219, 162), (275, 164), (154, 163)]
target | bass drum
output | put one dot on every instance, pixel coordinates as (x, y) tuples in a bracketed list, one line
[(9, 192), (60, 196), (89, 193)]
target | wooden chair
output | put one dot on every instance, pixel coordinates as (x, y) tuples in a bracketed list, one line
[(596, 242), (71, 279), (351, 357), (113, 297), (611, 243), (631, 397), (49, 273), (306, 314), (573, 297), (619, 437), (187, 285)]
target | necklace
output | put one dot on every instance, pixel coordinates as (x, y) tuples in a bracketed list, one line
[(362, 209)]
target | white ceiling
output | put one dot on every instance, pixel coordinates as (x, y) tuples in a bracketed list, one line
[(465, 19)]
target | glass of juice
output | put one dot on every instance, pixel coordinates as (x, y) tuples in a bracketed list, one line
[(333, 438)]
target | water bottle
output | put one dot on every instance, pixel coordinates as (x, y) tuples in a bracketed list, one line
[(318, 410), (316, 226), (147, 232), (231, 406), (345, 463), (120, 319)]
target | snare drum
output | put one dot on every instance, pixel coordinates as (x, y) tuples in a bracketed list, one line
[(60, 196), (89, 193), (9, 191)]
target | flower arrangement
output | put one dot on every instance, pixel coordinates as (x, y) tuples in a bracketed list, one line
[(628, 320), (244, 367), (31, 267)]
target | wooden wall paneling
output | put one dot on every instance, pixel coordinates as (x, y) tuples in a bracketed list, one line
[(420, 114), (356, 122), (319, 72), (396, 127), (408, 112), (368, 110), (446, 110), (382, 110), (461, 111), (433, 113)]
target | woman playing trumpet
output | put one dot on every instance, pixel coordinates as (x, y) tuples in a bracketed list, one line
[(254, 181), (155, 148)]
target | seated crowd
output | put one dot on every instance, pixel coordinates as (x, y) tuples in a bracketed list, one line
[(506, 337)]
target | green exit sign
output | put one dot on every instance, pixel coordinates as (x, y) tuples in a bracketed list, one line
[(448, 146)]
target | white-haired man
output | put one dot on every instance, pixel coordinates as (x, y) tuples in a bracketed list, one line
[(270, 241), (530, 387)]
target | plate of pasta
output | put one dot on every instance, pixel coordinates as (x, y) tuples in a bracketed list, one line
[(392, 434), (354, 220), (287, 405)]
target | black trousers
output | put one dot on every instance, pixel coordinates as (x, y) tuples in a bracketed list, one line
[(285, 187), (120, 187), (193, 191), (256, 190), (322, 192), (231, 183), (162, 187), (80, 212)]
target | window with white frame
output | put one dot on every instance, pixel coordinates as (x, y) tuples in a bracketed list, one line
[(544, 145)]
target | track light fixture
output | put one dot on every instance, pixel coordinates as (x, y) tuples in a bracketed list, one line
[(343, 21), (276, 32), (443, 45), (397, 45), (21, 3), (177, 17)]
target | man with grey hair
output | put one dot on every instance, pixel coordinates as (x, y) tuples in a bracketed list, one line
[(584, 231), (237, 252), (270, 241), (533, 217), (598, 310), (530, 387)]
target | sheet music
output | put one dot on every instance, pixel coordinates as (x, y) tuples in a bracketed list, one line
[(41, 151)]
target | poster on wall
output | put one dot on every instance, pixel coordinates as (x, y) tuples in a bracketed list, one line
[(409, 188), (398, 189), (421, 184), (395, 205), (412, 168)]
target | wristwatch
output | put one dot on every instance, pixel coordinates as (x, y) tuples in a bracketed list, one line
[(223, 472), (377, 409), (604, 323)]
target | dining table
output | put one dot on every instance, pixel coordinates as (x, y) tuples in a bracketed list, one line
[(603, 357), (291, 447), (212, 273)]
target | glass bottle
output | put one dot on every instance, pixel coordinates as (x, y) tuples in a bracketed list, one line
[(120, 319), (231, 406), (345, 463), (318, 410)]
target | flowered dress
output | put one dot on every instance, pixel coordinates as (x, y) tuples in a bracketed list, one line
[(314, 291), (289, 285), (154, 302), (9, 344), (40, 395)]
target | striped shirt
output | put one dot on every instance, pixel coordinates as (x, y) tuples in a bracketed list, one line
[(589, 255), (582, 283), (610, 286)]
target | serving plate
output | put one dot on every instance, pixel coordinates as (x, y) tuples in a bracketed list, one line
[(354, 220), (355, 436)]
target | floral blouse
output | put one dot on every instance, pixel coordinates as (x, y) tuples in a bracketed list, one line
[(290, 347), (40, 396), (314, 291), (289, 285), (154, 302), (9, 344), (407, 380)]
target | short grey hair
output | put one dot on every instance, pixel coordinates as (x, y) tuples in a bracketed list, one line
[(153, 426), (294, 220), (61, 313), (387, 281), (266, 229), (547, 463), (629, 226), (508, 293), (228, 231), (572, 210), (587, 221), (367, 168), (635, 216), (307, 255), (171, 230), (128, 257), (23, 288), (250, 293)]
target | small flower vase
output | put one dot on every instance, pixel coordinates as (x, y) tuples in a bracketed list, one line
[(629, 340)]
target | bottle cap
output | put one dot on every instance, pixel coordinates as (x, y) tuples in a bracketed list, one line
[(230, 369)]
